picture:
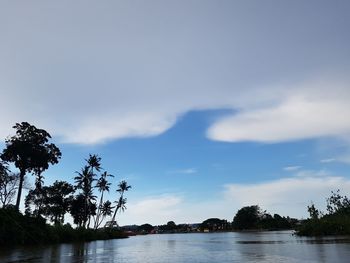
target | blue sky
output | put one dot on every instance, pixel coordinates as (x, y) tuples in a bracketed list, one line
[(203, 106)]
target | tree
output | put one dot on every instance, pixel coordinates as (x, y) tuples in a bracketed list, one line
[(147, 228), (35, 198), (102, 185), (84, 181), (122, 188), (247, 217), (106, 209), (78, 209), (30, 151), (8, 185), (313, 212), (57, 201), (215, 224), (338, 204)]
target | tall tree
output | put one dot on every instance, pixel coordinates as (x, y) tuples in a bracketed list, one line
[(102, 186), (94, 163), (122, 188), (30, 151), (84, 181), (105, 210)]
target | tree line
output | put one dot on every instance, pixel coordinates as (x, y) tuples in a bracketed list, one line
[(31, 152)]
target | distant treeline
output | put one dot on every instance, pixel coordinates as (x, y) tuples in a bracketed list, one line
[(246, 218)]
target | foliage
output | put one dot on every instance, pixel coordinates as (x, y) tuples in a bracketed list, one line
[(30, 151), (103, 208), (252, 217), (215, 224), (51, 201), (145, 228), (122, 188), (84, 181), (247, 217), (18, 229), (335, 222), (8, 185)]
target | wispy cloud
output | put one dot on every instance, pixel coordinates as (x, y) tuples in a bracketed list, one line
[(291, 168), (184, 171), (329, 160)]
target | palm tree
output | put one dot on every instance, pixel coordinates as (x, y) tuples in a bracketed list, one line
[(122, 188), (94, 162), (106, 210), (84, 181), (102, 185)]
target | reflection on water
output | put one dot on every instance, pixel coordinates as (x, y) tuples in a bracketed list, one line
[(208, 247)]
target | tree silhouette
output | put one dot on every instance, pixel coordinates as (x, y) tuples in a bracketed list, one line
[(122, 188), (30, 151), (247, 217), (94, 163), (106, 209), (84, 181), (102, 185), (58, 200), (8, 185)]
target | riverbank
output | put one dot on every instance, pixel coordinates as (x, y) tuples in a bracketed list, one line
[(335, 225), (17, 229)]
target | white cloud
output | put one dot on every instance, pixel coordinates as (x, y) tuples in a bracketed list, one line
[(310, 111), (291, 168), (154, 210), (119, 70), (288, 196)]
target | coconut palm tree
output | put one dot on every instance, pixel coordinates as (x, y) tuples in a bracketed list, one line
[(84, 181), (102, 185), (94, 162), (122, 188), (106, 210)]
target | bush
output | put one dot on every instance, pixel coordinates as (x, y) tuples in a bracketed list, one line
[(18, 229)]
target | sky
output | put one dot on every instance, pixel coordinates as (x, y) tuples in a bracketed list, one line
[(202, 106)]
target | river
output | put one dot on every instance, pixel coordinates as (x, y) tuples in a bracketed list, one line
[(279, 246)]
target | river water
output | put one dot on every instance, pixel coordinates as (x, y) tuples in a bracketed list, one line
[(279, 246)]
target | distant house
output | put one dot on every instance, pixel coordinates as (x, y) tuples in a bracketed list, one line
[(112, 224)]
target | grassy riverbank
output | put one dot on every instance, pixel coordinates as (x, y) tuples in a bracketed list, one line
[(18, 229)]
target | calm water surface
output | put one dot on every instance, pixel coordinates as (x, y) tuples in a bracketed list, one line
[(202, 247)]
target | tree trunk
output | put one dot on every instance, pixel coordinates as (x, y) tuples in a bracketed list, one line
[(21, 180), (98, 211)]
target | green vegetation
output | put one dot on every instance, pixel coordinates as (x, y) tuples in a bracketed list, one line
[(18, 229), (30, 151), (336, 221), (215, 224), (251, 217)]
